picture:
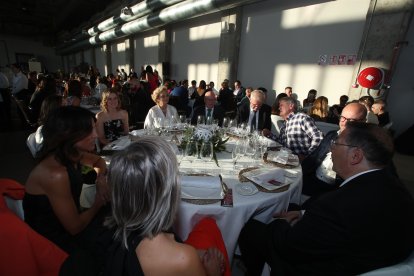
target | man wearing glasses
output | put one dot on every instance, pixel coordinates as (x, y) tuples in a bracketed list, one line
[(318, 175), (365, 224)]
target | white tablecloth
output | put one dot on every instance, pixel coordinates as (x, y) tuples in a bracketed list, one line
[(231, 220)]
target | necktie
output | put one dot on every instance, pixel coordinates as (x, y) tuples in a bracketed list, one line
[(209, 112), (253, 122)]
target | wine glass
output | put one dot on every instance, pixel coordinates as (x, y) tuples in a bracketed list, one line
[(250, 148), (200, 120), (206, 151), (238, 151), (191, 151), (160, 122), (226, 122), (182, 120)]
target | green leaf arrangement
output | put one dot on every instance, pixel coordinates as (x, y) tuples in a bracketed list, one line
[(205, 134)]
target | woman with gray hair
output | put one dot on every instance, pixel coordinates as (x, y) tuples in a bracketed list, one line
[(162, 110), (145, 188)]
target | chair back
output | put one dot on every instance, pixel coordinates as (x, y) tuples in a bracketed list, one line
[(326, 127)]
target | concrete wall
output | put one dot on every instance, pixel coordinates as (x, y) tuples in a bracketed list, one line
[(87, 55), (401, 95), (118, 56), (11, 45), (195, 48), (281, 46), (101, 60), (145, 49)]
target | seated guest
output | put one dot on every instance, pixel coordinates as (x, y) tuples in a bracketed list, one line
[(112, 121), (209, 109), (368, 101), (318, 175), (255, 113), (198, 94), (367, 223), (51, 203), (226, 98), (379, 109), (308, 102), (35, 140), (277, 121), (46, 88), (99, 88), (246, 98), (336, 110), (299, 132), (140, 176), (161, 110), (319, 110), (181, 92), (73, 93), (24, 252)]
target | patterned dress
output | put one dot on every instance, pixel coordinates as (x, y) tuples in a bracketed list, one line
[(113, 129)]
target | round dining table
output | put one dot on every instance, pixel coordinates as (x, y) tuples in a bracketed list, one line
[(260, 206), (230, 220)]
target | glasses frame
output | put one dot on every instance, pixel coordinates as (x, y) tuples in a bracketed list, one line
[(335, 143), (343, 118)]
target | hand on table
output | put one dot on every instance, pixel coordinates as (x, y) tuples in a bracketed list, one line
[(292, 217)]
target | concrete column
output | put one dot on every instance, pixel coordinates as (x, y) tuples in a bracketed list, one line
[(164, 51), (229, 45), (82, 56), (108, 58), (385, 28), (129, 54), (93, 56)]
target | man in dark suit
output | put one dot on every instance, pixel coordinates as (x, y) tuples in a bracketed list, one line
[(239, 91), (318, 176), (255, 113), (209, 109), (367, 223)]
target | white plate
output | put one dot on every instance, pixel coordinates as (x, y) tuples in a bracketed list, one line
[(246, 189)]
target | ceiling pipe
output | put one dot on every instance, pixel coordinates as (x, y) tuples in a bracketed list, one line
[(138, 10), (181, 11)]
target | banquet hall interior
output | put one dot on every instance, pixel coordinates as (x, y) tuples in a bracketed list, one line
[(305, 44)]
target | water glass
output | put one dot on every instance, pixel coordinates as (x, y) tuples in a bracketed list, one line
[(191, 151), (206, 151), (200, 120)]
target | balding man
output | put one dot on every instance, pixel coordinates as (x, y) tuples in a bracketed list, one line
[(318, 175), (299, 132), (367, 223), (209, 109), (255, 113)]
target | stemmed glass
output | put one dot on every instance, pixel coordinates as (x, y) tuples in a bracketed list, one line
[(250, 147), (238, 152), (200, 120)]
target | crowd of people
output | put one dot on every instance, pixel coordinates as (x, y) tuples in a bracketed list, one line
[(127, 230)]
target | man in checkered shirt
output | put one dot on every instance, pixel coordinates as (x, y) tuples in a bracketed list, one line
[(299, 132)]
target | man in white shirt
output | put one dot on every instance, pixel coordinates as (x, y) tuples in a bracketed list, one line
[(4, 101), (19, 83)]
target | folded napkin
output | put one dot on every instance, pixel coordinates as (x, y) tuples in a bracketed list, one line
[(269, 142), (270, 179), (119, 144), (201, 187), (283, 157), (138, 132)]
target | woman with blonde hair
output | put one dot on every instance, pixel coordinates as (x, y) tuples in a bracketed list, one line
[(112, 121), (162, 111), (320, 109)]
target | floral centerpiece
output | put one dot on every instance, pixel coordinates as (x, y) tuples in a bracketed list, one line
[(206, 133)]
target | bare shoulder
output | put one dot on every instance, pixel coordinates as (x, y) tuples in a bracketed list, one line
[(47, 176), (101, 115), (164, 256)]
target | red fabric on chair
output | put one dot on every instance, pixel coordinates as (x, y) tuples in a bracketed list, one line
[(206, 234), (23, 251)]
